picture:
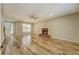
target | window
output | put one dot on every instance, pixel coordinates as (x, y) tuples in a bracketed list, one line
[(11, 28), (26, 28)]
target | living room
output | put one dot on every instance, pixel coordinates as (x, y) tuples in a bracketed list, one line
[(39, 29)]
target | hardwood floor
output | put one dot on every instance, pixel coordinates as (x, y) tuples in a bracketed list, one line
[(40, 45)]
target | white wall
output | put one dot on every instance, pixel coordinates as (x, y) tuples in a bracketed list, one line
[(61, 28), (78, 26), (66, 28)]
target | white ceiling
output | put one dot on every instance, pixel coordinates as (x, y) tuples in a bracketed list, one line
[(44, 11)]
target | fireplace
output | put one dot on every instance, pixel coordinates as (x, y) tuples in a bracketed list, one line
[(44, 32)]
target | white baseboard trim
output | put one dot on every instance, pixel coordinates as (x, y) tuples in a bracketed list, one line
[(65, 39)]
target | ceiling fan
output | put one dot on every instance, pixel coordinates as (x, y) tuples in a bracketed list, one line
[(33, 17)]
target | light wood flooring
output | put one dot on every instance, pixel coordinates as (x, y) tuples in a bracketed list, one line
[(40, 45)]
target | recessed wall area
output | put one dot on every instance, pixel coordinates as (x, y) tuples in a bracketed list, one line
[(65, 27)]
